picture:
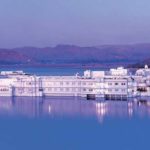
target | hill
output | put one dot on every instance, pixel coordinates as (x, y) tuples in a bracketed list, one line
[(71, 54)]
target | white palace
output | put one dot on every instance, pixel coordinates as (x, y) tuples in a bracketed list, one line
[(115, 84)]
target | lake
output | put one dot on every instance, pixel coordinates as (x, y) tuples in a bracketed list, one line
[(72, 123), (50, 70), (46, 70)]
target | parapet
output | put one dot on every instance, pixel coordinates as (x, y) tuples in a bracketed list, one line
[(12, 72), (120, 71)]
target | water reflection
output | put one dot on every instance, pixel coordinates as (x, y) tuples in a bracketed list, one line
[(70, 107)]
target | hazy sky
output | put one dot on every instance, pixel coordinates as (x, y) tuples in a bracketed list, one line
[(81, 22)]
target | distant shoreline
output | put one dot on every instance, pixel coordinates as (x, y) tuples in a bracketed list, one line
[(104, 65)]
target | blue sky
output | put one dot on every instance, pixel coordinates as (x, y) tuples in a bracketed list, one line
[(82, 22)]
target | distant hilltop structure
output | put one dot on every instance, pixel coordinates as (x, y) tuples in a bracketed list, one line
[(116, 84)]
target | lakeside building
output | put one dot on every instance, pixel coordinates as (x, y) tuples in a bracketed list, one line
[(117, 83)]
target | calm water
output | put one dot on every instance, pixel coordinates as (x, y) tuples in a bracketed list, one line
[(50, 70), (47, 70), (73, 124)]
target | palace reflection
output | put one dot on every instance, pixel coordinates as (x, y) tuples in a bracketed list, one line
[(71, 107)]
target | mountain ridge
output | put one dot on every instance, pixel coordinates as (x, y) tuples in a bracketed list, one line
[(72, 54)]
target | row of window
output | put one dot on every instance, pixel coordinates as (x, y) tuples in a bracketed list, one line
[(56, 89), (116, 83), (75, 83), (67, 89), (117, 90), (21, 90), (62, 89), (28, 83), (4, 90), (69, 83)]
